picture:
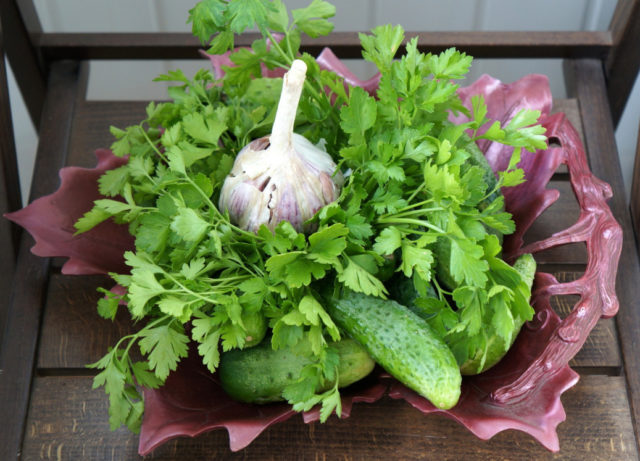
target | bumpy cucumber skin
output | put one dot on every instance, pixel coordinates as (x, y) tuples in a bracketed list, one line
[(402, 343), (260, 374), (526, 267)]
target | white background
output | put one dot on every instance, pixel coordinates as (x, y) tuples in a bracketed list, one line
[(128, 80)]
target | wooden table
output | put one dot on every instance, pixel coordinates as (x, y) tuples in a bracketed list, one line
[(68, 420)]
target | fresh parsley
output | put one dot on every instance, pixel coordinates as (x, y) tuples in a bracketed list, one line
[(412, 203)]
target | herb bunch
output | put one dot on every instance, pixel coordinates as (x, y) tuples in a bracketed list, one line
[(197, 278)]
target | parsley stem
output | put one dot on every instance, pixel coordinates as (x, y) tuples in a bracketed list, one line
[(153, 146), (187, 290), (416, 191), (419, 211), (317, 95), (409, 207), (239, 262), (276, 44), (214, 208), (417, 222), (134, 336), (441, 292), (492, 191)]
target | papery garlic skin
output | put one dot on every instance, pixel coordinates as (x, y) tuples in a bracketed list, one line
[(262, 190), (282, 176)]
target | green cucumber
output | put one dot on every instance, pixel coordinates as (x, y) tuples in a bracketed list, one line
[(404, 292), (402, 343), (525, 265), (260, 374), (256, 327)]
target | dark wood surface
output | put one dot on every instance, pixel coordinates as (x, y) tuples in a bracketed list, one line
[(19, 342), (24, 58), (586, 82), (635, 190), (623, 62), (68, 420), (10, 199), (480, 44), (47, 403), (10, 196)]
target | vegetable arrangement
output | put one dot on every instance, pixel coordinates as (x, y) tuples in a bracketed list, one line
[(257, 244)]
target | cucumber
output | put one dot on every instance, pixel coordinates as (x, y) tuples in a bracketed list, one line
[(525, 265), (260, 374), (256, 327), (402, 343)]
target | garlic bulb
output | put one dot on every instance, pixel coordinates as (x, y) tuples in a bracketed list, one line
[(282, 176)]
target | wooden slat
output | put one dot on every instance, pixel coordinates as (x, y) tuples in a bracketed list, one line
[(635, 191), (8, 160), (571, 109), (29, 15), (559, 216), (73, 334), (10, 191), (585, 80), (91, 125), (10, 199), (602, 346), (24, 59), (600, 353), (18, 350), (480, 44), (623, 63), (68, 420)]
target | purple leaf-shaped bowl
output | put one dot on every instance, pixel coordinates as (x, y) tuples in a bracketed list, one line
[(522, 392)]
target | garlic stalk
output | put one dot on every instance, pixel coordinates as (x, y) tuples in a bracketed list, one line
[(282, 176)]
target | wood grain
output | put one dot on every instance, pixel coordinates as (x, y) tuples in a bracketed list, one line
[(10, 199), (635, 191), (585, 80), (24, 59), (571, 109), (559, 216), (10, 196), (68, 420), (623, 62), (18, 350), (480, 44), (91, 125), (73, 334)]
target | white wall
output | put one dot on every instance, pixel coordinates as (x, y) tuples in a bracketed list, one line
[(126, 80)]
